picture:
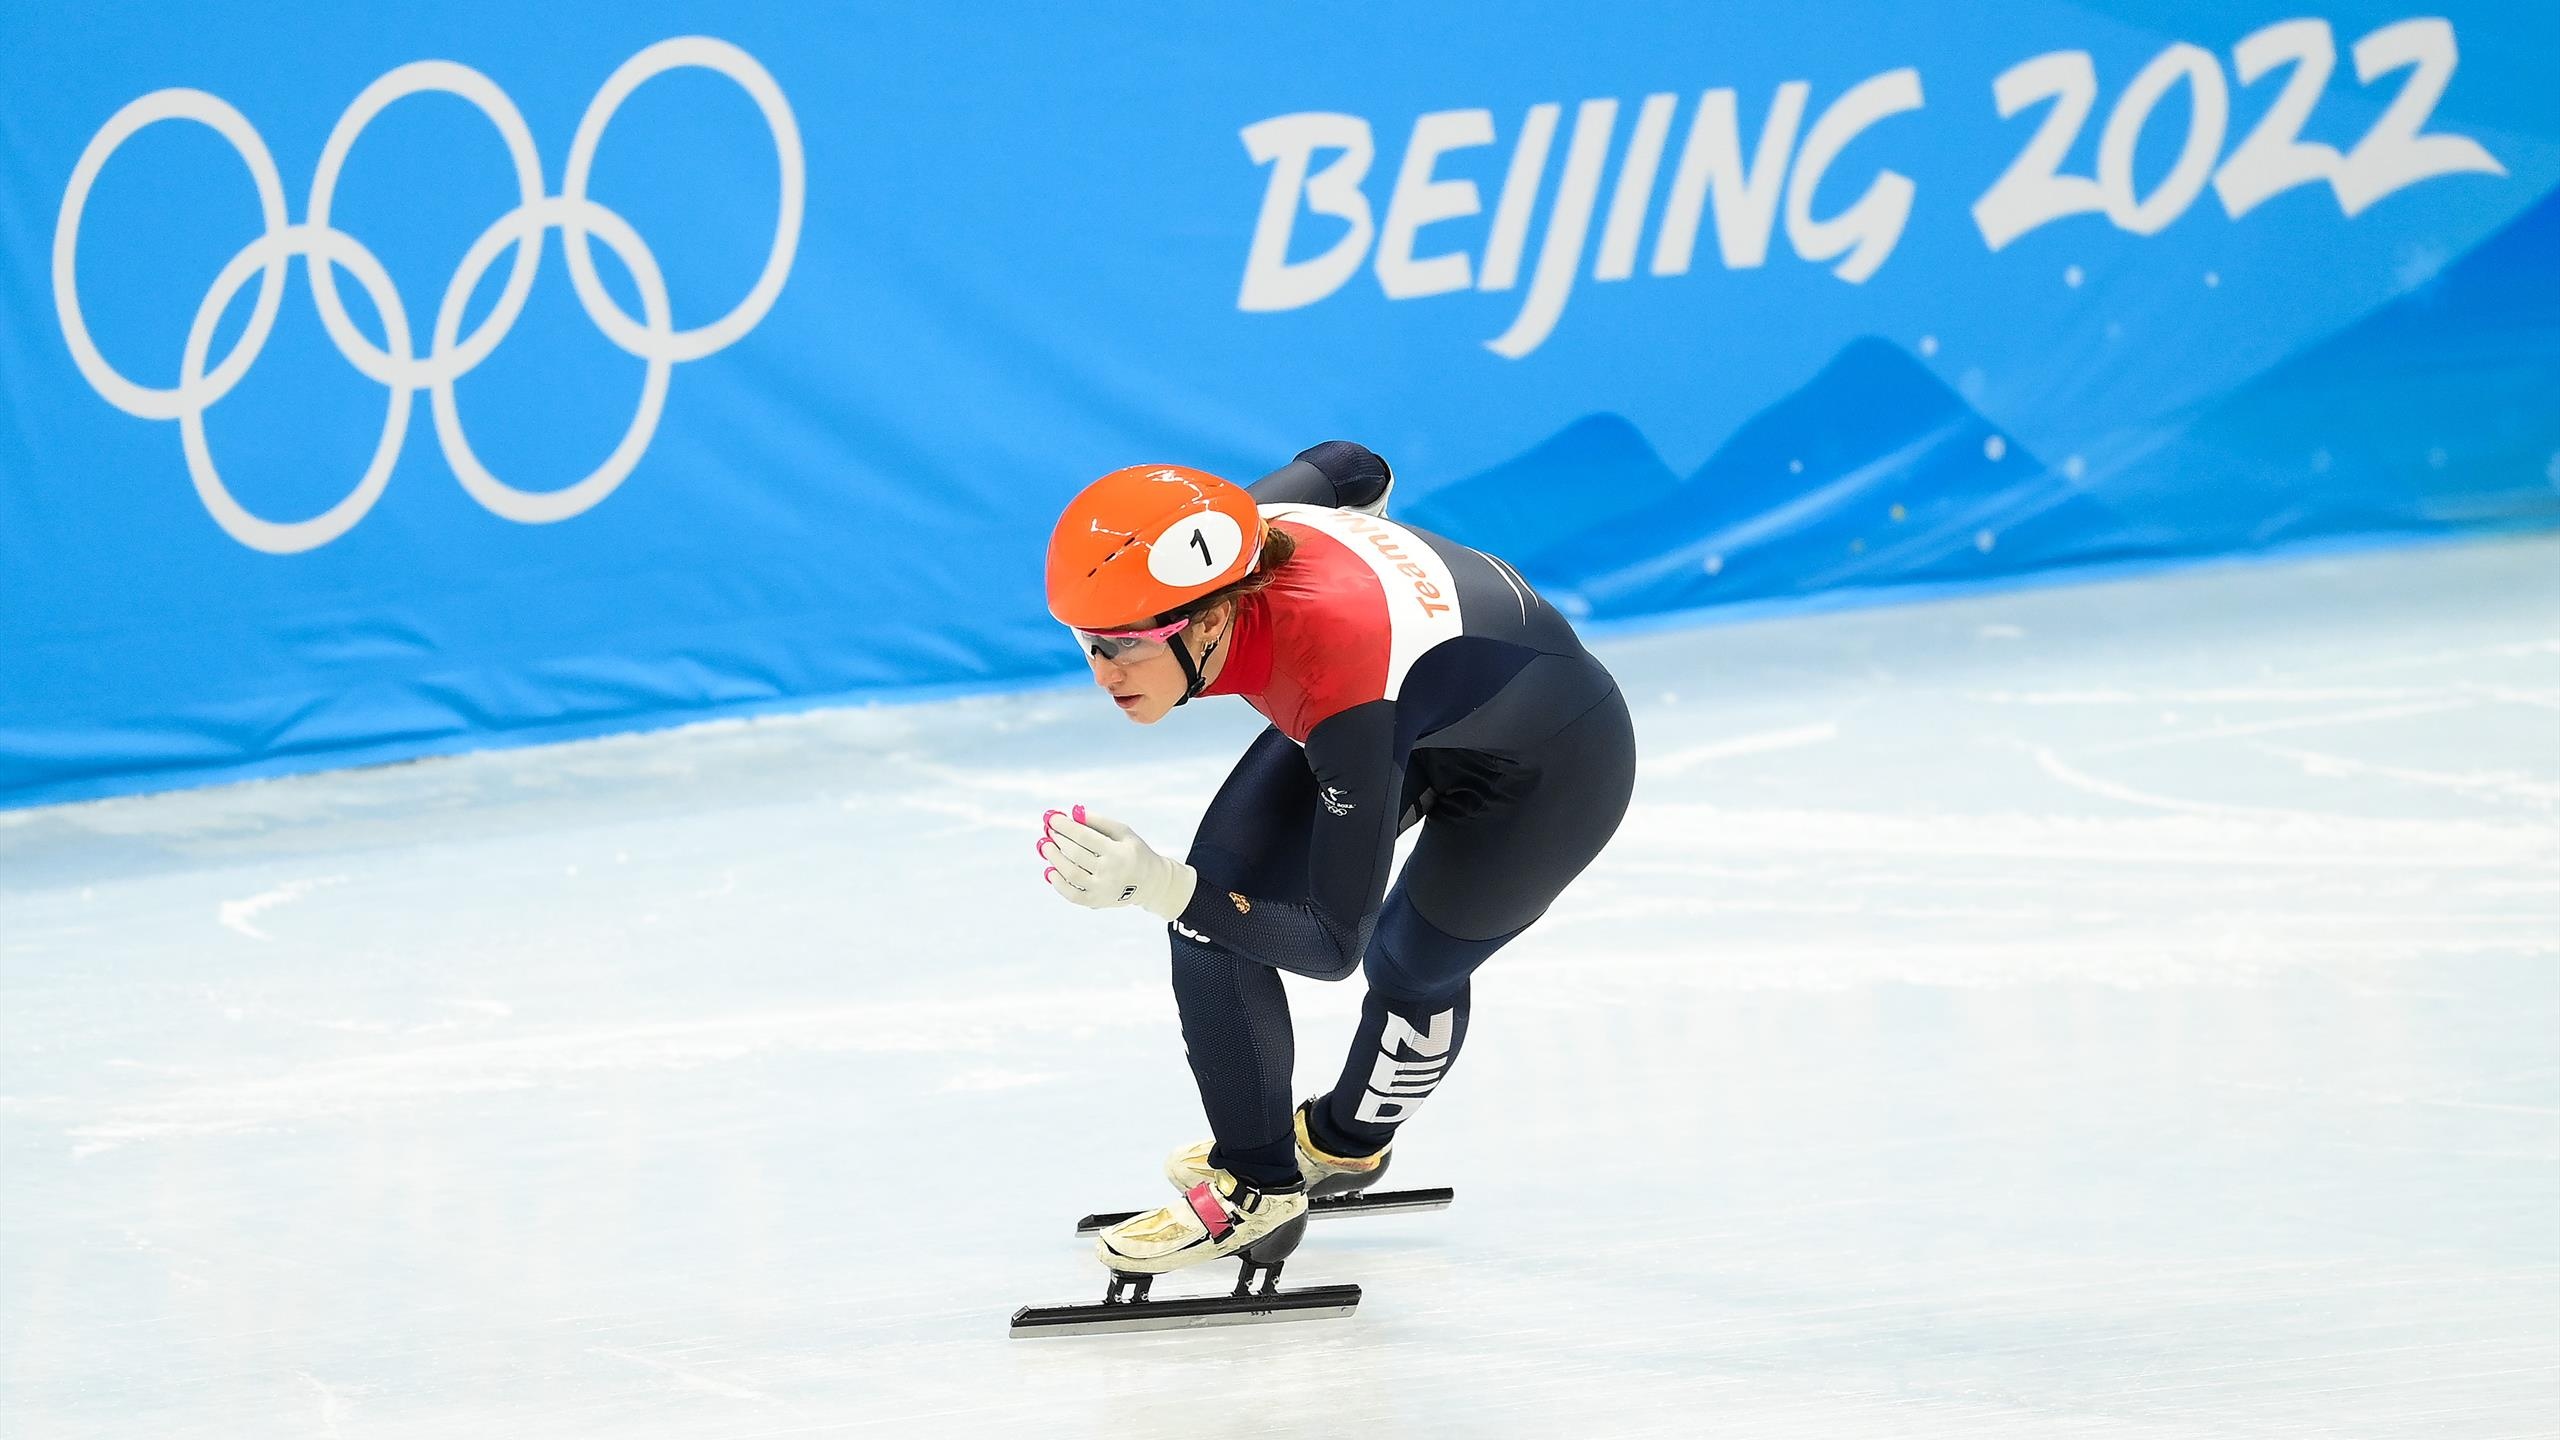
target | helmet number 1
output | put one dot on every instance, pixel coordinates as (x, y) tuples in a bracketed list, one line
[(1195, 550)]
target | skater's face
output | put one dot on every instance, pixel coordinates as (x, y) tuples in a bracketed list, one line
[(1145, 680)]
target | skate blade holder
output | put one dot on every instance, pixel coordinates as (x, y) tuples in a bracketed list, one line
[(1358, 1202), (1256, 1300), (1125, 1307)]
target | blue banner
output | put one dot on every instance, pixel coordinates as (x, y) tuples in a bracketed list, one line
[(376, 383)]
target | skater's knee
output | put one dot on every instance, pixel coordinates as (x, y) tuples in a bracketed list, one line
[(1341, 957), (1342, 969), (1410, 959)]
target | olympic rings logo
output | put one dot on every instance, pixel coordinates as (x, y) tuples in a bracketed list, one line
[(450, 355)]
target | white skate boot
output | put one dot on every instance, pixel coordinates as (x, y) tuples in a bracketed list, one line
[(1216, 1218)]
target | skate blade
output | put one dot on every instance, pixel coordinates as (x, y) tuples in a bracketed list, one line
[(1358, 1202), (1317, 1302)]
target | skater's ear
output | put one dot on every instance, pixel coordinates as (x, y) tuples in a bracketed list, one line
[(1210, 622)]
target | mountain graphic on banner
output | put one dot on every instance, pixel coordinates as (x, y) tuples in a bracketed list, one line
[(2436, 411), (1575, 482), (1873, 472)]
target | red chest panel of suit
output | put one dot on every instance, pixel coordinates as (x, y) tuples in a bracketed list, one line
[(1313, 644)]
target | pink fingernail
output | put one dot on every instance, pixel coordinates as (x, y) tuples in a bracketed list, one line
[(1080, 815)]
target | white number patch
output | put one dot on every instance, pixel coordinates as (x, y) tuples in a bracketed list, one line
[(1197, 549)]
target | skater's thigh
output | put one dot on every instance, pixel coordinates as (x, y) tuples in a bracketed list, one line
[(1489, 876), (1254, 835)]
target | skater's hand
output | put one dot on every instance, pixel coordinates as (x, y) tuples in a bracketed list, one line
[(1101, 864)]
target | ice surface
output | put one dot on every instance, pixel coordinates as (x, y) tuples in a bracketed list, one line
[(2127, 1010)]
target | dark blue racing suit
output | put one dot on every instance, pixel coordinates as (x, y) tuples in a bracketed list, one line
[(1409, 680)]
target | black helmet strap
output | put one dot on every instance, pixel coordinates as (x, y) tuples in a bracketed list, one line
[(1195, 678)]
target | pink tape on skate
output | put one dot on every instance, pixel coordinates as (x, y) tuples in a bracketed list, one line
[(1213, 1214)]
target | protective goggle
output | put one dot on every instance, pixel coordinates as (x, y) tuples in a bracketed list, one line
[(1125, 647)]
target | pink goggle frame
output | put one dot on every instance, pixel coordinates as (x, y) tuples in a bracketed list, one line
[(1128, 645)]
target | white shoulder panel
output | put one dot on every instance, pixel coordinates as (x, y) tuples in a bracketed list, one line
[(1422, 596)]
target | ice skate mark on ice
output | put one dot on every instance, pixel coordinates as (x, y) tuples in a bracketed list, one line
[(479, 1015), (2390, 1099), (384, 1079), (1680, 762), (2293, 722), (2494, 1107), (2506, 650), (2052, 764), (1767, 901), (2052, 697), (2226, 836), (2508, 695), (235, 915), (690, 1379), (973, 1082), (2489, 785), (2225, 695), (1176, 779), (969, 815), (331, 1406), (1672, 978)]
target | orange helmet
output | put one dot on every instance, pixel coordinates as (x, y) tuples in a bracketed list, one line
[(1141, 541)]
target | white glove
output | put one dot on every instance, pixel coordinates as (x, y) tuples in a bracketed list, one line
[(1101, 864)]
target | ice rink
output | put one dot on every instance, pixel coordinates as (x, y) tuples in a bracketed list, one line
[(2120, 1010)]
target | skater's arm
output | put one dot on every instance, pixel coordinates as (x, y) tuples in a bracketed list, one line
[(1359, 797), (1335, 474)]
